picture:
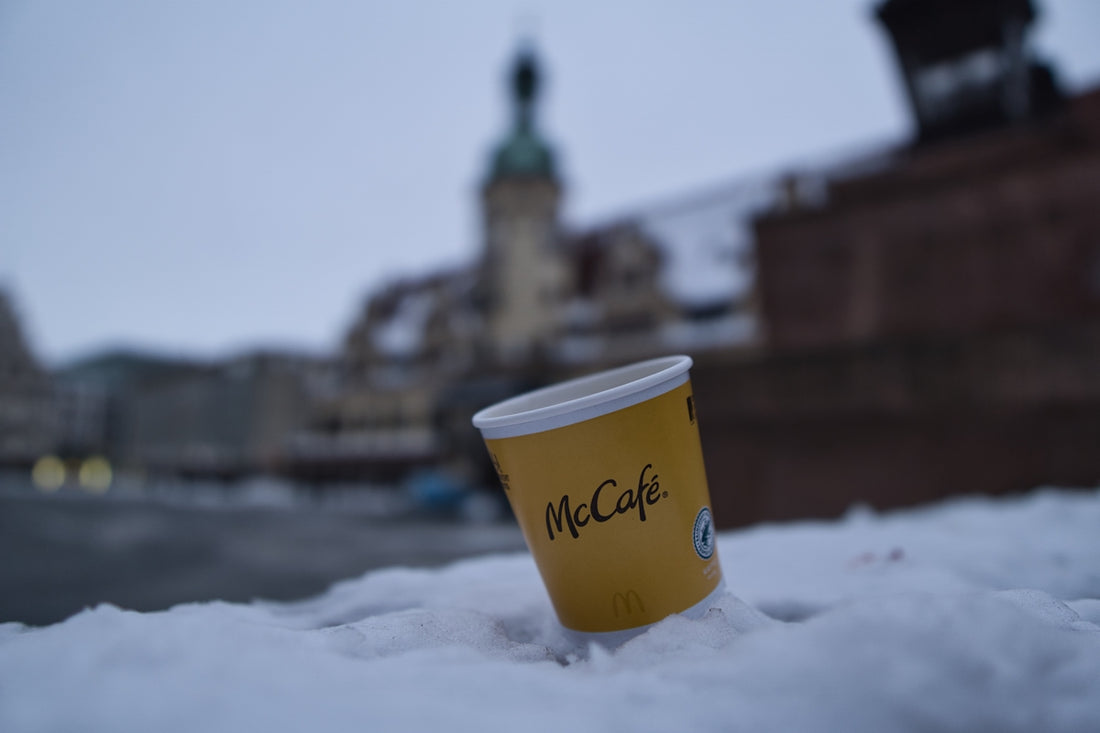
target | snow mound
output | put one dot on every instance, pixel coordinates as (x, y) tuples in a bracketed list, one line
[(975, 614)]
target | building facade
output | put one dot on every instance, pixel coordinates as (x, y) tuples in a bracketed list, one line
[(931, 324), (27, 421), (538, 302)]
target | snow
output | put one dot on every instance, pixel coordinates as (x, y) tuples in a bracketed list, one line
[(402, 334), (974, 614), (708, 242)]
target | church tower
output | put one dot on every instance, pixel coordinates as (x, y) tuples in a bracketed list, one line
[(525, 272)]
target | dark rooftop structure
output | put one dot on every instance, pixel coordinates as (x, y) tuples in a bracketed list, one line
[(966, 64)]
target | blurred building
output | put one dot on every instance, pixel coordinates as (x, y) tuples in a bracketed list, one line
[(94, 397), (158, 415), (539, 302), (230, 420), (891, 329), (26, 419), (411, 339), (932, 324)]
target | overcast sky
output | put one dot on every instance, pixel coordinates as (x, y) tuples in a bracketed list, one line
[(203, 177)]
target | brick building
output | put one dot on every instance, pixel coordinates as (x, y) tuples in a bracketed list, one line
[(933, 327)]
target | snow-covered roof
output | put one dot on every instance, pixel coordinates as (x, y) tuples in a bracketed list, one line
[(402, 334), (707, 242), (706, 238), (411, 303)]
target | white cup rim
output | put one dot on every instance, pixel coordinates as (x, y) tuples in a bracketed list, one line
[(582, 398)]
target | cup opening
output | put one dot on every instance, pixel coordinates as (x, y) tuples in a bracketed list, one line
[(582, 398)]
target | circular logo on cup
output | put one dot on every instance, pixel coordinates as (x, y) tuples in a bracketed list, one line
[(703, 534)]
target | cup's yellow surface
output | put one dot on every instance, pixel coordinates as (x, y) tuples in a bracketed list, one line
[(615, 510)]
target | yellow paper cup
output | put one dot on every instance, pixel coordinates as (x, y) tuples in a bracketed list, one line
[(605, 477)]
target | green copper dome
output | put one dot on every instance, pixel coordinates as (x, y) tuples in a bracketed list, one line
[(523, 152)]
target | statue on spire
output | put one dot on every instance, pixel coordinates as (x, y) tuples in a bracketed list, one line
[(524, 152), (525, 82)]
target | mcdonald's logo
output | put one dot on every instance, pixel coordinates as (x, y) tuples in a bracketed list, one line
[(627, 601)]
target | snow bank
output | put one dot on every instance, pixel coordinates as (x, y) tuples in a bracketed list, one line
[(971, 615)]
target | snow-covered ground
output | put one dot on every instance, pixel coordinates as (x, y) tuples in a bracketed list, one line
[(972, 615)]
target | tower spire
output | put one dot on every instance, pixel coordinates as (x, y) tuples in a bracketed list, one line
[(523, 152), (525, 87)]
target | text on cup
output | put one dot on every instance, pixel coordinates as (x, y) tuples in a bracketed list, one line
[(603, 505)]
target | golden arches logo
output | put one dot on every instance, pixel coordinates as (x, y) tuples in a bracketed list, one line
[(627, 601)]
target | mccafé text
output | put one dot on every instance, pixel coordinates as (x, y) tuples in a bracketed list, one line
[(605, 503)]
